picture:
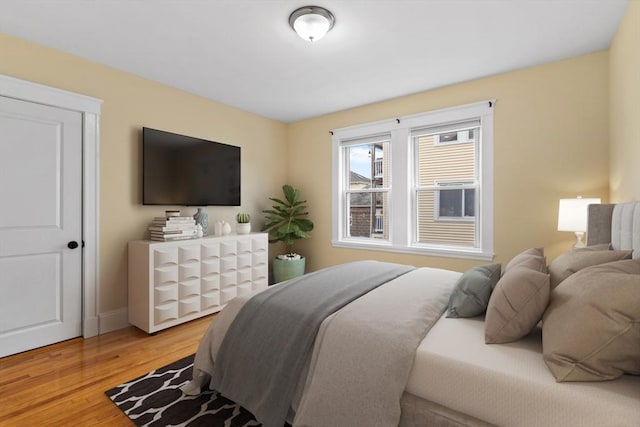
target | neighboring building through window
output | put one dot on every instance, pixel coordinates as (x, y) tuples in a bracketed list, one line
[(455, 204), (442, 189), (447, 177)]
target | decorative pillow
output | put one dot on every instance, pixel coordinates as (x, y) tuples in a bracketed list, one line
[(570, 262), (591, 330), (599, 247), (531, 258), (472, 291), (533, 251), (516, 305)]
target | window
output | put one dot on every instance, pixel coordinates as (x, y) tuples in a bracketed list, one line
[(455, 204), (421, 183)]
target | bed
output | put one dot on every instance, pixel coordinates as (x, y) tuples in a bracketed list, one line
[(453, 377)]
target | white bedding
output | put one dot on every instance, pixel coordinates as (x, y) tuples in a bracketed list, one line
[(510, 385)]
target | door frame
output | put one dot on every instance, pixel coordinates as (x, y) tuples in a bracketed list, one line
[(89, 107)]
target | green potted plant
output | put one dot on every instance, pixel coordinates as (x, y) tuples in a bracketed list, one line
[(243, 225), (287, 222)]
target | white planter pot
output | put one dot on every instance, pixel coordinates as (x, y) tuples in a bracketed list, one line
[(244, 228)]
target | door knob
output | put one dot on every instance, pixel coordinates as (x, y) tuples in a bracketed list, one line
[(72, 244)]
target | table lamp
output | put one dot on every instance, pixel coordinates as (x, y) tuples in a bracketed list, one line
[(572, 216)]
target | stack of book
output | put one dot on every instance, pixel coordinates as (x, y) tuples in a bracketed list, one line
[(167, 228)]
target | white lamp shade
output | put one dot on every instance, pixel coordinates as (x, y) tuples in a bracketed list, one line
[(311, 23), (572, 214), (311, 27)]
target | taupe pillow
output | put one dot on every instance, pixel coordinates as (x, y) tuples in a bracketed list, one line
[(591, 329), (598, 247), (516, 305), (570, 262), (532, 258), (472, 291)]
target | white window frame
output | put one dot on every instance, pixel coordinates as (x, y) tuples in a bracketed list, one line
[(401, 215)]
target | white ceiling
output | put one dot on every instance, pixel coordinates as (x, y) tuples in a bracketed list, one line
[(243, 52)]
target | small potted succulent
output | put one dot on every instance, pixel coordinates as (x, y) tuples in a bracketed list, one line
[(243, 225)]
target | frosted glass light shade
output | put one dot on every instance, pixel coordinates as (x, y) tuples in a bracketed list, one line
[(572, 214), (311, 23)]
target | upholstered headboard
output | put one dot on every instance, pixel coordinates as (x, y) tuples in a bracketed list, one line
[(617, 224)]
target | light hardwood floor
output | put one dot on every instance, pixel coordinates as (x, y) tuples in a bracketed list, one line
[(64, 384)]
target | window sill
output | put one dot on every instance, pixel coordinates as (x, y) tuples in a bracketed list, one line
[(445, 252)]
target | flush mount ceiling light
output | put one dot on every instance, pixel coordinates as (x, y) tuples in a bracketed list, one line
[(311, 22)]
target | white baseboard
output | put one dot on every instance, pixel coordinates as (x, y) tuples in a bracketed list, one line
[(90, 327), (113, 320)]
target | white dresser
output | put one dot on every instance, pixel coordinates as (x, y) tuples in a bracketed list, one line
[(174, 282)]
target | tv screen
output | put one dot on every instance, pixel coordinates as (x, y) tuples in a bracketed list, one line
[(182, 170)]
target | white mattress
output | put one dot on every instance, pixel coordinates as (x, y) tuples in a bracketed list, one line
[(510, 385)]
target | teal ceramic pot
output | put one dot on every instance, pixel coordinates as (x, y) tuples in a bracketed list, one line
[(284, 269)]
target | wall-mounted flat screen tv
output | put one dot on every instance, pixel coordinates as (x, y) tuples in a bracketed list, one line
[(182, 170)]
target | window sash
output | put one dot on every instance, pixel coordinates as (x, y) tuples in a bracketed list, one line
[(441, 229), (444, 186), (446, 128), (367, 140)]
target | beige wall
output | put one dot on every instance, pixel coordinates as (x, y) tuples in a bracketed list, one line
[(624, 69), (551, 141), (130, 103)]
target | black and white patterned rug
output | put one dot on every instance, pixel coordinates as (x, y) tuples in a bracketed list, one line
[(155, 400)]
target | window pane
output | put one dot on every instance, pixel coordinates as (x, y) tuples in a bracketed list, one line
[(447, 232), (367, 215), (450, 203), (470, 202), (368, 165), (448, 137)]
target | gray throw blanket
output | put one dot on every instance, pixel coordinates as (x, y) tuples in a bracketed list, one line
[(364, 353), (263, 354)]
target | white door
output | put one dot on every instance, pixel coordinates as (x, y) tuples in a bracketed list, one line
[(40, 219)]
